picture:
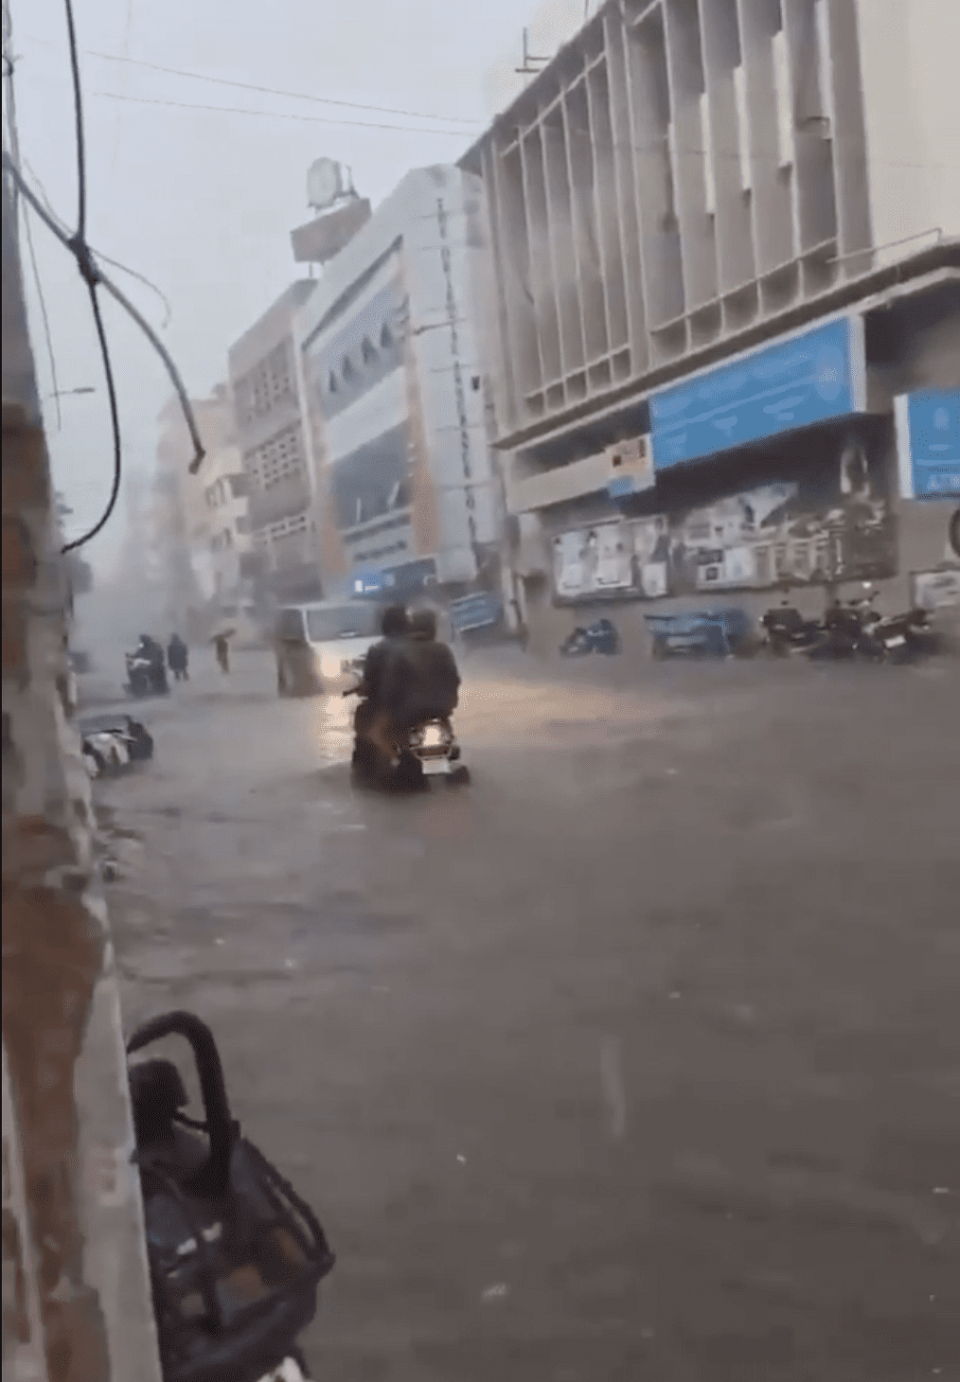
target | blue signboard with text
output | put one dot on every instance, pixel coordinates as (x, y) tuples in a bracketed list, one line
[(928, 443), (805, 379)]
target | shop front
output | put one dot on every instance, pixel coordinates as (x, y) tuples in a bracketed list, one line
[(768, 472), (811, 511)]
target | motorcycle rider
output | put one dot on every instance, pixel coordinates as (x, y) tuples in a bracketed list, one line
[(373, 724), (424, 684), (152, 653)]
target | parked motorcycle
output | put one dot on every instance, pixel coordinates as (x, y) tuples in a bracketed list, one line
[(843, 628), (786, 631), (599, 637), (236, 1257), (899, 638)]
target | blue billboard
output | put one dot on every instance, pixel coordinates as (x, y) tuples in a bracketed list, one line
[(805, 379), (928, 443)]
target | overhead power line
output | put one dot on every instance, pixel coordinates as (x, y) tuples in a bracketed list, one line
[(276, 114), (270, 90), (276, 91), (94, 278), (117, 264)]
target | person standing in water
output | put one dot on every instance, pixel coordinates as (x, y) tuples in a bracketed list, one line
[(221, 646), (177, 657)]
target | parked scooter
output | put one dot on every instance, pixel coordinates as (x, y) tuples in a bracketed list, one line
[(235, 1255)]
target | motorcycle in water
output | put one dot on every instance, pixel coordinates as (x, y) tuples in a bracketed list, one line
[(843, 628), (599, 637), (899, 638), (786, 631), (146, 675), (429, 749), (236, 1257), (108, 747)]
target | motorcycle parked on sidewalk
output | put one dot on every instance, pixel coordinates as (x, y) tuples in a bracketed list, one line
[(236, 1257)]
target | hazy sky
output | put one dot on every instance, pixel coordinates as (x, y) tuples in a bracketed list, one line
[(202, 201)]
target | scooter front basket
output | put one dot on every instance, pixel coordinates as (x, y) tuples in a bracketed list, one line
[(235, 1255)]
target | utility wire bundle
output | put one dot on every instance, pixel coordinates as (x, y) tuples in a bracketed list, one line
[(94, 278)]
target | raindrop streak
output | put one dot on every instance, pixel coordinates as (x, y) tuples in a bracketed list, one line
[(611, 1082)]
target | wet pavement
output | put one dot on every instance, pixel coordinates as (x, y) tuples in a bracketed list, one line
[(637, 1059)]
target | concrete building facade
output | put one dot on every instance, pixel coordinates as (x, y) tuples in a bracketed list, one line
[(198, 538), (269, 433), (389, 356), (713, 270)]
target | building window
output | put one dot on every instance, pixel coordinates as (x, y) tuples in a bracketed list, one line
[(347, 368), (280, 457), (386, 337), (368, 351)]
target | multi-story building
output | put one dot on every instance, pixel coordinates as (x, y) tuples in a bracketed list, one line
[(389, 360), (226, 532), (269, 435), (199, 522), (724, 336)]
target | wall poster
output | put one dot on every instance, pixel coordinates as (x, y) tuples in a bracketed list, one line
[(818, 519)]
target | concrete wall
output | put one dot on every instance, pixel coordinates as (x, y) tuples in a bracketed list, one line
[(76, 1286), (683, 170), (909, 63)]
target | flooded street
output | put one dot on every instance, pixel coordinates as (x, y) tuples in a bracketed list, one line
[(639, 1058)]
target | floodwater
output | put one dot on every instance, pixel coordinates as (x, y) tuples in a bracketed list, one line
[(639, 1058)]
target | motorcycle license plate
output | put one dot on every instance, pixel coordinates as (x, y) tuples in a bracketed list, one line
[(434, 767), (897, 642), (288, 1371)]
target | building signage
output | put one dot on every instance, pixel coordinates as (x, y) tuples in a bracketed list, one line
[(928, 443), (818, 519), (630, 467), (479, 611), (810, 378)]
